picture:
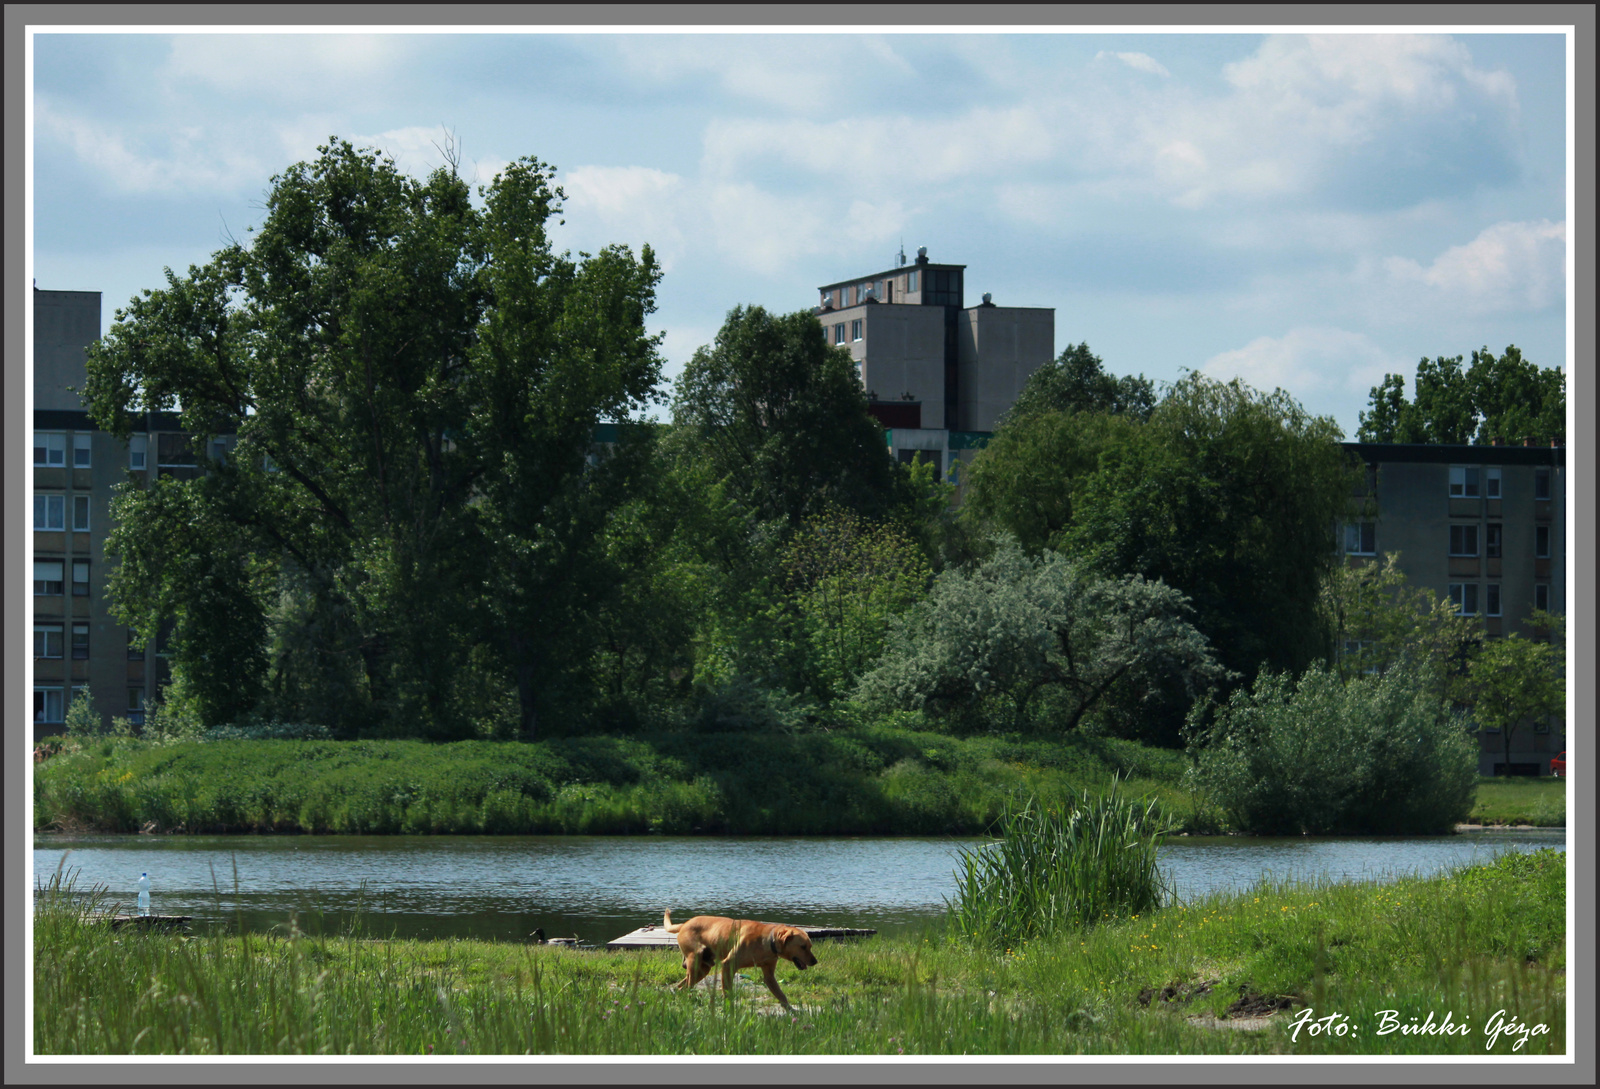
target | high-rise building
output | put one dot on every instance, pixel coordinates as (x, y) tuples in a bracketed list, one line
[(938, 373), (77, 642)]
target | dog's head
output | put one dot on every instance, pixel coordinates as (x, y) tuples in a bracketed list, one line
[(792, 943)]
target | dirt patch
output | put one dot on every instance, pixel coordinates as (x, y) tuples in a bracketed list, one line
[(1260, 1005), (1177, 992)]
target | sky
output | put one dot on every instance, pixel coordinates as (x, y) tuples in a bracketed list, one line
[(1308, 212)]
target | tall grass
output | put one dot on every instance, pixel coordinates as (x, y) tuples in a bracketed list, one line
[(1060, 868)]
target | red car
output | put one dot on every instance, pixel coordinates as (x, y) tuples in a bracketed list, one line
[(1558, 765)]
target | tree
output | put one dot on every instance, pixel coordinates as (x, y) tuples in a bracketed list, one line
[(1377, 620), (1503, 397), (1077, 382), (1230, 496), (1516, 681), (994, 645), (847, 577), (1025, 482), (782, 418), (412, 382)]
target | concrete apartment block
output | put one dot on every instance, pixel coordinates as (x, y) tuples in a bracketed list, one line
[(927, 361), (1482, 525)]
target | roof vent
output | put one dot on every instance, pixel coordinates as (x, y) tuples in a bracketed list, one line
[(922, 255)]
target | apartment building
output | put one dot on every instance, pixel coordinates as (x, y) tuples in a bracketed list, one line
[(938, 373), (1483, 525), (77, 643)]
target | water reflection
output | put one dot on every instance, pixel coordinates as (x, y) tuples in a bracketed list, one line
[(599, 887)]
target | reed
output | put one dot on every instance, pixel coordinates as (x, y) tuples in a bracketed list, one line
[(1059, 869)]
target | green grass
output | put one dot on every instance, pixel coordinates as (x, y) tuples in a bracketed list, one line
[(1520, 799), (866, 781), (1469, 943)]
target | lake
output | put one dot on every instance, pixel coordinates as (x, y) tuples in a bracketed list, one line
[(600, 887)]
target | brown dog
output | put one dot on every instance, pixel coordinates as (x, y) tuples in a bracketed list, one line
[(738, 943)]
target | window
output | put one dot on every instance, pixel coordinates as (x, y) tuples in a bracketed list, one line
[(137, 446), (911, 282), (80, 641), (1491, 599), (1541, 596), (135, 648), (1463, 482), (47, 705), (136, 706), (78, 691), (80, 513), (1463, 540), (1541, 483), (174, 455), (47, 578), (1464, 596), (827, 298), (80, 450), (1491, 483), (838, 333), (217, 450), (80, 578), (49, 512), (1361, 538), (47, 640), (1541, 542), (855, 329), (49, 449), (1491, 540)]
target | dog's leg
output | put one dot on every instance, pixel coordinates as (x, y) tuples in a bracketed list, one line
[(771, 981)]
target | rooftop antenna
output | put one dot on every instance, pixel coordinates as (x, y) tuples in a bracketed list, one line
[(901, 256)]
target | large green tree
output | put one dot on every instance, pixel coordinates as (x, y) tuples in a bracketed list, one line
[(1230, 496), (412, 380), (782, 418), (1505, 397)]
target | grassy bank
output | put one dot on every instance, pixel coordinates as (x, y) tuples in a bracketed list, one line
[(1517, 799), (1188, 979), (857, 782)]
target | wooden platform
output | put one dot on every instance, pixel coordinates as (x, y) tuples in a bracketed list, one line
[(653, 937), (149, 922)]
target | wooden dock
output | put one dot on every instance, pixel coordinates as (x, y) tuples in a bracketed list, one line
[(653, 937), (148, 922)]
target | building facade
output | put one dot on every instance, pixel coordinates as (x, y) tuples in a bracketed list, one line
[(1484, 526), (77, 643), (938, 373)]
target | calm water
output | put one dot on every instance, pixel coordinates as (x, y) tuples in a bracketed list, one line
[(600, 887)]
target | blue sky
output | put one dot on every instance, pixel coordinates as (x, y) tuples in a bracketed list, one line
[(1307, 212)]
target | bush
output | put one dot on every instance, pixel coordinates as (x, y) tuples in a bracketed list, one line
[(1060, 869), (269, 731), (1376, 755)]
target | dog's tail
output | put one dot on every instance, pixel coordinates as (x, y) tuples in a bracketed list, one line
[(667, 923)]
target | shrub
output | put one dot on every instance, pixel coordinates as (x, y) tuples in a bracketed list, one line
[(269, 731), (1057, 869), (1374, 755)]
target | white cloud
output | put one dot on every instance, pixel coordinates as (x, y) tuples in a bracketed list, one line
[(1509, 266), (1307, 359), (1139, 62), (633, 204), (289, 66), (178, 160)]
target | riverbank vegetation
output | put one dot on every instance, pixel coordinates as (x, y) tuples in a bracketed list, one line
[(863, 781), (1223, 975), (490, 539)]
